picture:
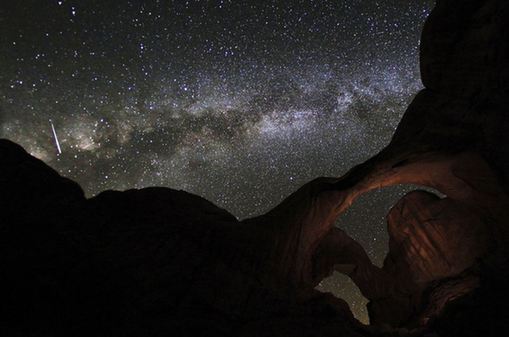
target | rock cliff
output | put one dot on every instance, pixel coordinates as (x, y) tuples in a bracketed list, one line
[(163, 262)]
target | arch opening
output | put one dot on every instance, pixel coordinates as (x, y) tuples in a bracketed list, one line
[(365, 222)]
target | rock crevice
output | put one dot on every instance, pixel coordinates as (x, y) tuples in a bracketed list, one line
[(158, 261)]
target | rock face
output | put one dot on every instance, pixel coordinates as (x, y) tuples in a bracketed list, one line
[(163, 262), (436, 243), (138, 263), (428, 236), (431, 239)]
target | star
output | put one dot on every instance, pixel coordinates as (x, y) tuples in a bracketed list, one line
[(240, 102)]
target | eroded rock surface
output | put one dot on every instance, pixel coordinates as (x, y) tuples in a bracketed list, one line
[(145, 262), (431, 239), (157, 261)]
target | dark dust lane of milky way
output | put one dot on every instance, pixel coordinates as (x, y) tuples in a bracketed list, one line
[(240, 102)]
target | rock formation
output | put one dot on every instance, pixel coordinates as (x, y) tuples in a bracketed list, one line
[(163, 262)]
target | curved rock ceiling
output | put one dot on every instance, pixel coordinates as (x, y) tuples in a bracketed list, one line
[(157, 261)]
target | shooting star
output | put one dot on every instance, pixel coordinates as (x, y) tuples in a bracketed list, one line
[(57, 143)]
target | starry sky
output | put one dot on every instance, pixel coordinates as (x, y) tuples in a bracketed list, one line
[(238, 101)]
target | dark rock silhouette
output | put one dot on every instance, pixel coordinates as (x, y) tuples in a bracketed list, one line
[(157, 261)]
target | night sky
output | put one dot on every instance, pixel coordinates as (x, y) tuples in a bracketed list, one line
[(240, 102)]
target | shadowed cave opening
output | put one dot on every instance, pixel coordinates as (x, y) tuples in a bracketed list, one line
[(365, 222)]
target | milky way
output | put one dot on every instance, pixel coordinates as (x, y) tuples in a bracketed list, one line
[(240, 102)]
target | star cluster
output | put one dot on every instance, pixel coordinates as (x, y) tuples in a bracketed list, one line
[(240, 101)]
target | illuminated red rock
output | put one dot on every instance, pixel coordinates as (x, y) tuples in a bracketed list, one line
[(433, 238), (157, 261)]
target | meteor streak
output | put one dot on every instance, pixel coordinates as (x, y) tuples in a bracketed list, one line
[(57, 143)]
